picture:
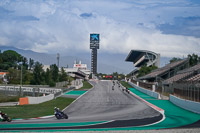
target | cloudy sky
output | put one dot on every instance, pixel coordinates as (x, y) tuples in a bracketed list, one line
[(169, 27)]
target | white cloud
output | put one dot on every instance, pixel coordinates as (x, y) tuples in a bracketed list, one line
[(60, 27)]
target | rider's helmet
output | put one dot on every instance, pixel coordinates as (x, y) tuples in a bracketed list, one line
[(58, 109), (55, 107)]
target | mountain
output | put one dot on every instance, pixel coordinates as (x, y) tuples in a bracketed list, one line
[(107, 63)]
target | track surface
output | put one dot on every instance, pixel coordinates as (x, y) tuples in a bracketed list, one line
[(104, 104)]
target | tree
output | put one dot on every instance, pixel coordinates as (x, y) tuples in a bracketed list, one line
[(48, 77), (31, 63), (9, 59), (54, 72), (37, 74), (63, 76), (1, 59), (193, 59), (11, 56), (25, 63), (174, 59), (27, 77), (144, 70), (13, 76)]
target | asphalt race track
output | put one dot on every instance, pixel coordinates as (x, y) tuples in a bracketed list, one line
[(116, 107)]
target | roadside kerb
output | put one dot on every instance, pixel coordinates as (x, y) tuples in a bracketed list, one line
[(149, 104)]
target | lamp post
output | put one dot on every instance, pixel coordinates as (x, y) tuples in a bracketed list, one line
[(21, 76), (20, 88)]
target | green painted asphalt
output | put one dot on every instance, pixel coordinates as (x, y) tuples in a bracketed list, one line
[(75, 92), (175, 117), (49, 124)]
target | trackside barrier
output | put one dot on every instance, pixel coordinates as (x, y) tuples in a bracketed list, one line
[(35, 100), (148, 92), (23, 101), (186, 104)]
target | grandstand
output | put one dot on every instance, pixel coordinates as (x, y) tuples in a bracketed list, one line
[(166, 71), (142, 57), (190, 74)]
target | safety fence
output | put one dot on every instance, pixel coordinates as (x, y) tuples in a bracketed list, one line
[(187, 90), (148, 92), (27, 91), (149, 86)]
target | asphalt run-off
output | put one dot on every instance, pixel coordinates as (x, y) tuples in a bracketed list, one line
[(103, 108)]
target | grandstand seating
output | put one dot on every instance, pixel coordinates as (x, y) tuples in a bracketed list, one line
[(194, 78), (177, 77), (190, 74), (164, 70)]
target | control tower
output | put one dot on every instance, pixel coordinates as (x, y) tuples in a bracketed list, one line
[(94, 45)]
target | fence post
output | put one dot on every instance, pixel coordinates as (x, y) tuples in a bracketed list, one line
[(153, 88), (137, 83)]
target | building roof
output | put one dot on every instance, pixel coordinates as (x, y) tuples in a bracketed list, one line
[(136, 56), (3, 73), (163, 70)]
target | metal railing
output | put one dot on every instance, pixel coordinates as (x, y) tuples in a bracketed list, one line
[(187, 90), (148, 86)]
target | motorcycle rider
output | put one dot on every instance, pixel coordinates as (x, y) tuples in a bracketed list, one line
[(57, 110), (1, 117)]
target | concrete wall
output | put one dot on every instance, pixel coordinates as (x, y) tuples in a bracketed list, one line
[(77, 83), (186, 104), (148, 92), (37, 100)]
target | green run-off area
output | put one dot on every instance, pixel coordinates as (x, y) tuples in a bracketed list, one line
[(76, 92)]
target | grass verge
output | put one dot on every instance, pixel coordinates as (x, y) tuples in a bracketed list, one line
[(37, 110), (86, 86), (125, 84)]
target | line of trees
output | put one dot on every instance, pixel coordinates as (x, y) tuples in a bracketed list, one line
[(32, 72)]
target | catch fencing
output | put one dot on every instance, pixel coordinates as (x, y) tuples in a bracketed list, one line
[(187, 90)]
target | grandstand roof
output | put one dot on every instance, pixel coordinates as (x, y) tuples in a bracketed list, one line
[(163, 70), (136, 55)]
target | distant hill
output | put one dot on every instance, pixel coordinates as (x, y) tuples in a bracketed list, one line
[(107, 63)]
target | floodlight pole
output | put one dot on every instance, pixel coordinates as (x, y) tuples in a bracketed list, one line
[(20, 91)]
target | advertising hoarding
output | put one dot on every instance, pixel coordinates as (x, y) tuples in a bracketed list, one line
[(94, 41)]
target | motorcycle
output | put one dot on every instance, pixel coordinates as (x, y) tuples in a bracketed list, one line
[(60, 115), (6, 118)]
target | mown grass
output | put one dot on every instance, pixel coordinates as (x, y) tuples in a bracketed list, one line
[(125, 84), (86, 86), (37, 110)]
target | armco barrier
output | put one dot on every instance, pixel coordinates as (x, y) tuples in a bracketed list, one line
[(37, 100), (148, 92), (186, 104)]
